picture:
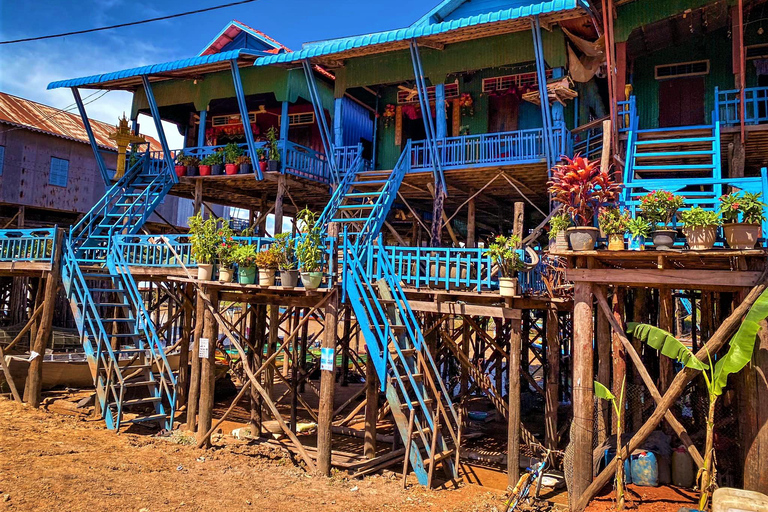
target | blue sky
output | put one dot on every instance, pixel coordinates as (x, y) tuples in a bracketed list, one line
[(27, 68)]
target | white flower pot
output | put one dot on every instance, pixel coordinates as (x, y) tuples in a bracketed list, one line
[(508, 286), (266, 277), (204, 271)]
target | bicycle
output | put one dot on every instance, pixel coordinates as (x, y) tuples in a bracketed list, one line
[(521, 491)]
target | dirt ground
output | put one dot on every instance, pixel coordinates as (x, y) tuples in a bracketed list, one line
[(50, 461), (666, 498)]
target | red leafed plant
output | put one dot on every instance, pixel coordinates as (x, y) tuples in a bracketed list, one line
[(582, 187)]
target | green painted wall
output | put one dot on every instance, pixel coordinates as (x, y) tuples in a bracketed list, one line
[(642, 12), (287, 85), (716, 47), (484, 53)]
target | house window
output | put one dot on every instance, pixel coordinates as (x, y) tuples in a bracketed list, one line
[(59, 172), (503, 83), (681, 69), (2, 159), (406, 95)]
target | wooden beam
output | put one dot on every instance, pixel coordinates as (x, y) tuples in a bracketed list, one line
[(583, 392), (371, 407), (513, 423), (552, 387), (327, 386), (207, 374), (673, 278)]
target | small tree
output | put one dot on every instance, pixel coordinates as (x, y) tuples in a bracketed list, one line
[(618, 406)]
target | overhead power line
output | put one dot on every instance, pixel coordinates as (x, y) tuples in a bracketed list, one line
[(132, 23)]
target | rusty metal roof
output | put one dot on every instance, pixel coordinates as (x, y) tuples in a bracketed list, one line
[(30, 115)]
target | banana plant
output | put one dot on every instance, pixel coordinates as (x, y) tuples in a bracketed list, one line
[(604, 393), (739, 354)]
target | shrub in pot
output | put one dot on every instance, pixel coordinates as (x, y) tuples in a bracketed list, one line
[(205, 240), (309, 251), (289, 274), (267, 260), (181, 168), (581, 187), (638, 229), (244, 164), (273, 164), (613, 223), (262, 154), (743, 216), (700, 228), (503, 252), (231, 154), (660, 208), (218, 166), (206, 163), (225, 252), (245, 257), (558, 224), (193, 164)]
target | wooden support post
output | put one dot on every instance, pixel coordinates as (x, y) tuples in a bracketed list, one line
[(186, 336), (471, 224), (371, 407), (274, 332), (207, 376), (754, 417), (259, 336), (513, 425), (197, 201), (552, 391), (465, 340), (666, 322), (619, 353), (327, 385), (279, 198), (603, 427), (518, 219), (35, 373), (640, 315), (193, 399), (583, 390), (345, 346)]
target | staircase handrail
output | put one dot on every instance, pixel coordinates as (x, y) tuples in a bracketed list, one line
[(338, 195), (160, 182)]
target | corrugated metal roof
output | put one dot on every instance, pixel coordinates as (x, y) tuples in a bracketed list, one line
[(405, 34), (37, 117), (164, 67)]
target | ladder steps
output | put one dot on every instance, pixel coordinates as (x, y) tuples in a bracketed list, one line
[(439, 457), (416, 376), (142, 419), (107, 290), (650, 142), (363, 194), (674, 154), (140, 383), (417, 404), (356, 219), (141, 401), (675, 167), (371, 182), (356, 206)]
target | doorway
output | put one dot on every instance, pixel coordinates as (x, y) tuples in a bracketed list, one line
[(503, 113), (681, 102)]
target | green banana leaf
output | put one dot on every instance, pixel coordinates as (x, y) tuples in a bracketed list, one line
[(742, 345), (664, 341), (603, 392)]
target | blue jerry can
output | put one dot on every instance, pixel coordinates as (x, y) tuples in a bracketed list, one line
[(645, 468), (610, 454)]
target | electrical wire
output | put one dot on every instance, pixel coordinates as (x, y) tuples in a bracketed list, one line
[(60, 111), (129, 24)]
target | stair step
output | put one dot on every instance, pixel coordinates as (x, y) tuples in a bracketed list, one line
[(112, 305), (143, 419), (371, 182), (125, 335), (140, 383), (673, 154), (96, 275), (114, 290), (356, 206), (655, 142), (141, 401), (416, 376), (676, 167), (115, 320), (416, 403), (362, 194), (440, 457), (350, 220), (394, 327)]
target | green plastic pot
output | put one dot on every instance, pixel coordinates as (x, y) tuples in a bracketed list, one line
[(246, 275)]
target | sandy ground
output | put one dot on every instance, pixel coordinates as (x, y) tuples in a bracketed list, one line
[(55, 462)]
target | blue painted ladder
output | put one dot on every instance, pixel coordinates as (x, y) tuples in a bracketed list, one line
[(120, 342)]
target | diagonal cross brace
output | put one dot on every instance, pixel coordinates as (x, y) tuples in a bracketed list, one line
[(325, 132)]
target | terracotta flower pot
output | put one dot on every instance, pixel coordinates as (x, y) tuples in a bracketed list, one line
[(181, 170), (263, 164), (205, 170), (616, 242), (582, 238), (664, 239), (701, 238), (508, 286), (740, 235), (231, 169)]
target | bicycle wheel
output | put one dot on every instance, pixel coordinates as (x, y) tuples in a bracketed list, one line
[(522, 493)]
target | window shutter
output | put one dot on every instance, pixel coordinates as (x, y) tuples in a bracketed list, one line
[(2, 159), (59, 172)]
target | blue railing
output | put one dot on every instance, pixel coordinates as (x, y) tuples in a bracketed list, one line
[(588, 140), (306, 163), (626, 111), (515, 147), (727, 105), (346, 158), (32, 245)]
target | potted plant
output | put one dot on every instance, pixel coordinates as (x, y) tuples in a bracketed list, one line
[(261, 153), (225, 252), (289, 274), (613, 222), (181, 168), (503, 252), (205, 240), (232, 153), (193, 164), (638, 229), (245, 257), (244, 163), (557, 228), (659, 208), (267, 260), (309, 251), (744, 234), (700, 228), (581, 187), (206, 163), (273, 163), (218, 162)]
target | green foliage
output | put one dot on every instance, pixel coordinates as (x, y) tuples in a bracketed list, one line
[(309, 249), (244, 255), (227, 245), (581, 187), (670, 346), (639, 227), (204, 237), (558, 223), (613, 221), (272, 140), (180, 158), (283, 245), (660, 207), (503, 252), (261, 153), (212, 159), (748, 205), (603, 392), (268, 259), (697, 217), (232, 152)]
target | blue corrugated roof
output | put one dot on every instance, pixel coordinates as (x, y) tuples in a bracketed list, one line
[(405, 34), (154, 68)]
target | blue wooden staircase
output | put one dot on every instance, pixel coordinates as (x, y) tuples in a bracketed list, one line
[(130, 370)]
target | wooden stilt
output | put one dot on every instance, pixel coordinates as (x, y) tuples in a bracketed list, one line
[(259, 336), (513, 425), (666, 322), (345, 346), (583, 390), (371, 407), (274, 332), (619, 353), (471, 224), (603, 334), (193, 399), (186, 336), (327, 385), (207, 376), (753, 420), (552, 389)]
